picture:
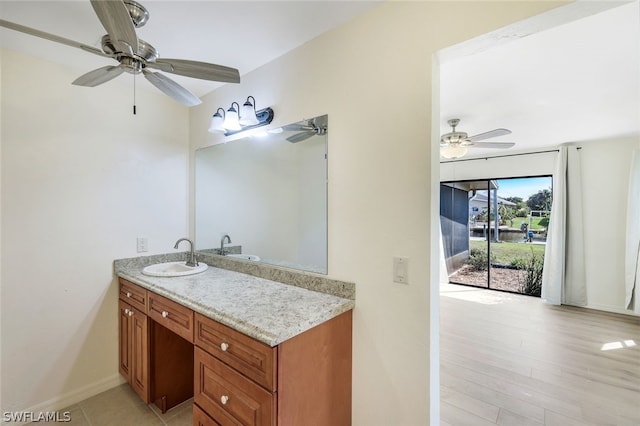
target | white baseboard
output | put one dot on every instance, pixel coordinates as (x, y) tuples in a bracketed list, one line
[(612, 309), (65, 400)]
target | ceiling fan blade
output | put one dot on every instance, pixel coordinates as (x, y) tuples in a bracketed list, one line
[(171, 88), (115, 18), (499, 145), (490, 134), (51, 37), (195, 69), (98, 76)]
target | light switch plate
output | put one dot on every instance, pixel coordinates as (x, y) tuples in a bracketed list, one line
[(142, 244), (401, 270)]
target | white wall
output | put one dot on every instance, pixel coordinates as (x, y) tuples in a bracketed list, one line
[(605, 185), (373, 77), (81, 179)]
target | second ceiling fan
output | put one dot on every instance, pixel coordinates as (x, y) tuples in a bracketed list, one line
[(454, 144)]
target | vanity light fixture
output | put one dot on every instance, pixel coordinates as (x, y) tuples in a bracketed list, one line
[(232, 118), (248, 113), (217, 122), (238, 119)]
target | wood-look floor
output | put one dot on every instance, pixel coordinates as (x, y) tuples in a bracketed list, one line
[(508, 359)]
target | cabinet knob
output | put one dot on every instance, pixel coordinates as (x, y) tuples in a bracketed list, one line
[(128, 294), (130, 313), (126, 311), (224, 399), (165, 314), (224, 346)]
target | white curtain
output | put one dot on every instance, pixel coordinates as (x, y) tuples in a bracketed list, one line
[(632, 250), (563, 277)]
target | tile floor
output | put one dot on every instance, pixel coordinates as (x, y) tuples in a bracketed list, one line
[(120, 406)]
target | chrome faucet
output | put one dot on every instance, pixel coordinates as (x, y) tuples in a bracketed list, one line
[(191, 260), (223, 252)]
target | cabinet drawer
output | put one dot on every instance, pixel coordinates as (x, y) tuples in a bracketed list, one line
[(200, 418), (171, 315), (252, 358), (134, 295), (229, 397)]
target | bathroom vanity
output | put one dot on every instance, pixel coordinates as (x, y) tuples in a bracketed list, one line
[(250, 351)]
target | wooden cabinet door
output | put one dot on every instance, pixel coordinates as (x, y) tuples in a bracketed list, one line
[(140, 355), (125, 355), (134, 349)]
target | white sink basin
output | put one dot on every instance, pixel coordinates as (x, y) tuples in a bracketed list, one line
[(173, 269), (245, 256)]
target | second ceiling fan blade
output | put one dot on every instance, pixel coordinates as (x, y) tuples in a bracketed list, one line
[(490, 134), (98, 76), (115, 18), (195, 69), (171, 88), (499, 145), (299, 137)]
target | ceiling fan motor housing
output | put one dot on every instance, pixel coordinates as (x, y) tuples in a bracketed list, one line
[(139, 15)]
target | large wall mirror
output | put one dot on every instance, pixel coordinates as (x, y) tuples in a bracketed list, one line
[(269, 194)]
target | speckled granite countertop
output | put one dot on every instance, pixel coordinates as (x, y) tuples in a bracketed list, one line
[(266, 310)]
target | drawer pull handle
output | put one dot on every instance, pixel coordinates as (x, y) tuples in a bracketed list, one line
[(165, 314), (224, 346), (224, 399), (128, 294)]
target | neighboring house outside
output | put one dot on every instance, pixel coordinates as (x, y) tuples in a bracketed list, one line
[(478, 203)]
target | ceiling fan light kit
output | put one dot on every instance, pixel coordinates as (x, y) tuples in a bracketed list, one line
[(455, 144), (238, 119), (120, 18)]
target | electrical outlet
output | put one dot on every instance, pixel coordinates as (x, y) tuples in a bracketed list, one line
[(142, 244), (401, 270)]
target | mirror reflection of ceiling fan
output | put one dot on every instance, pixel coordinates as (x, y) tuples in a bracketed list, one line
[(455, 144), (120, 18), (304, 130)]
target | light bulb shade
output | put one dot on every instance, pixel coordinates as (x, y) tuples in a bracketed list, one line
[(248, 113), (453, 151), (217, 122), (231, 119)]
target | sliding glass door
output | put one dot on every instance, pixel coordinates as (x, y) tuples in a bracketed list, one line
[(494, 232)]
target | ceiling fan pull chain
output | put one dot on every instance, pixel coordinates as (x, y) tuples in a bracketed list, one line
[(134, 94)]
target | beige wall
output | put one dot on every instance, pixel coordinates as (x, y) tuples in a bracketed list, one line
[(81, 179), (373, 77)]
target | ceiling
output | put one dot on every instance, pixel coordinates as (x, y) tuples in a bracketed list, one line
[(240, 34), (575, 82), (573, 78)]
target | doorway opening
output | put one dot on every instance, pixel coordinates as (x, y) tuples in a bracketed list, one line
[(494, 232)]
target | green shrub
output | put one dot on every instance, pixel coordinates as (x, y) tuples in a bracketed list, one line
[(531, 278), (518, 262), (478, 259)]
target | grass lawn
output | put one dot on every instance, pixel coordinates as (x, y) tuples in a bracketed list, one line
[(505, 252), (536, 222)]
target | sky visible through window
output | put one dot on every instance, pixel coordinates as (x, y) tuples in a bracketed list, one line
[(522, 187)]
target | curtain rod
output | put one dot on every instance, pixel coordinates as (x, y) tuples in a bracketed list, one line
[(502, 156)]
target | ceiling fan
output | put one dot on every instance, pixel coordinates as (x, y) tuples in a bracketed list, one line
[(120, 18), (454, 144)]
